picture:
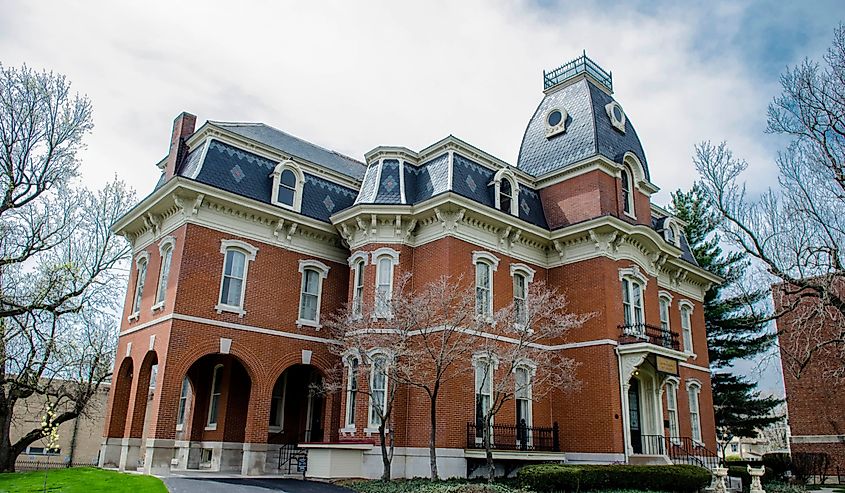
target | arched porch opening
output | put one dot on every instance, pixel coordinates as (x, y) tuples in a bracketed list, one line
[(297, 406), (120, 402), (147, 375)]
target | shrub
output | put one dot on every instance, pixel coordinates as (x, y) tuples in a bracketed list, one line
[(805, 465), (557, 477), (779, 462)]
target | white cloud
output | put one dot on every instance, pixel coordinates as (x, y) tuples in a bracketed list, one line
[(351, 76)]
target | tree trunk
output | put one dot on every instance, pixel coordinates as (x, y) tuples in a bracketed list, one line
[(385, 457), (488, 448), (432, 449), (7, 455)]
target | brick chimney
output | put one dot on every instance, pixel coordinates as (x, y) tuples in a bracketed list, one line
[(183, 127)]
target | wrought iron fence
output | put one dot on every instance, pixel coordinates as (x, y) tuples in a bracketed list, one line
[(582, 64), (516, 437), (631, 333), (681, 450)]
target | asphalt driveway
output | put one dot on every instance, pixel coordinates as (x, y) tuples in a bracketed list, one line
[(248, 485)]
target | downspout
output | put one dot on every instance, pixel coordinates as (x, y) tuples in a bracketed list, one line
[(624, 401)]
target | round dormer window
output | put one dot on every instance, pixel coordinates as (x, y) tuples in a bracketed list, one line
[(556, 122), (616, 115), (555, 117)]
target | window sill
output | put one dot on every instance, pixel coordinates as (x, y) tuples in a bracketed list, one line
[(180, 427), (133, 317), (629, 214), (276, 429), (211, 427), (350, 429), (382, 317), (158, 306), (308, 323), (370, 430), (231, 309), (691, 355)]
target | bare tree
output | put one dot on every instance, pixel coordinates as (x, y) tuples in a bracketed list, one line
[(517, 363), (796, 230), (60, 282), (372, 349)]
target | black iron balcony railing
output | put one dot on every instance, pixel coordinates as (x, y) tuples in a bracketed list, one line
[(580, 65), (681, 450), (632, 333), (516, 437)]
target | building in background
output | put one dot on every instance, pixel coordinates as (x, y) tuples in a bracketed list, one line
[(252, 237)]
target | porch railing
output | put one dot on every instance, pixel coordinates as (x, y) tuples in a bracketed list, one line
[(516, 437), (681, 450), (633, 333)]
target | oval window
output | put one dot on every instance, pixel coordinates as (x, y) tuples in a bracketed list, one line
[(555, 118), (617, 112)]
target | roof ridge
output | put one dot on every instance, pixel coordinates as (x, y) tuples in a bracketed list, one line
[(262, 124)]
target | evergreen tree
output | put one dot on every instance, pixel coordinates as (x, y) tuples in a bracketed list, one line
[(734, 328)]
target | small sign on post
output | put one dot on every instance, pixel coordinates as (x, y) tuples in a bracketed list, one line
[(302, 464)]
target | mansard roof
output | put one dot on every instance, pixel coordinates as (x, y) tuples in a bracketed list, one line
[(589, 130)]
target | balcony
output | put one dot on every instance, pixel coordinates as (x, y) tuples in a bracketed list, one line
[(637, 333), (516, 438)]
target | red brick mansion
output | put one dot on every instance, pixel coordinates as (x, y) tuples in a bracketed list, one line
[(252, 237)]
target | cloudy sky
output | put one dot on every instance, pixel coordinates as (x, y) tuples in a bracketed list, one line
[(353, 75)]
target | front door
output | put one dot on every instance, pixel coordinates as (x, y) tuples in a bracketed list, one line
[(634, 415)]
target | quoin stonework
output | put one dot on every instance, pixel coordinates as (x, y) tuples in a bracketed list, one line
[(252, 237)]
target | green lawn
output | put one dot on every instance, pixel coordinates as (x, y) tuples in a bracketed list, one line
[(80, 480)]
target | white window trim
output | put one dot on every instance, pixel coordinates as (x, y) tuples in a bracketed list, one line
[(667, 297), (633, 274), (694, 389), (377, 255), (491, 260), (142, 257), (321, 269), (671, 384), (480, 358), (186, 382), (347, 363), (506, 174), (528, 274), (671, 225), (371, 357), (630, 193), (168, 242), (250, 252), (688, 348), (531, 368), (358, 260), (300, 180), (209, 426), (618, 124), (281, 412)]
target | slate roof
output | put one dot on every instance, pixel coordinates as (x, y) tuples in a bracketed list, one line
[(589, 132), (297, 147)]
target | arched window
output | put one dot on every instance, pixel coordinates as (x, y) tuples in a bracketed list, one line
[(522, 276), (236, 258), (351, 391), (214, 399), (485, 264), (627, 191), (524, 415), (166, 251), (385, 260), (671, 391), (277, 404), (694, 388), (141, 262), (183, 403), (378, 388), (313, 272), (686, 325), (485, 365), (632, 303), (357, 262), (506, 191), (287, 185)]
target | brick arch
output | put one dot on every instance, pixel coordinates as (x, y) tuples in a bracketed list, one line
[(121, 390), (142, 385), (322, 363), (253, 365)]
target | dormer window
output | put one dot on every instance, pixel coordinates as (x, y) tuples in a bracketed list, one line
[(506, 192), (556, 122), (287, 185), (672, 232)]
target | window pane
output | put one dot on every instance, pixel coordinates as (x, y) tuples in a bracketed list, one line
[(385, 270), (309, 307), (285, 195), (231, 291), (312, 282), (235, 264), (288, 179)]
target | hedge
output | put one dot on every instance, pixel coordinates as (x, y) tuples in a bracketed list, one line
[(559, 477)]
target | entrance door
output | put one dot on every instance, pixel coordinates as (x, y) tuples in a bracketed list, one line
[(634, 415)]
